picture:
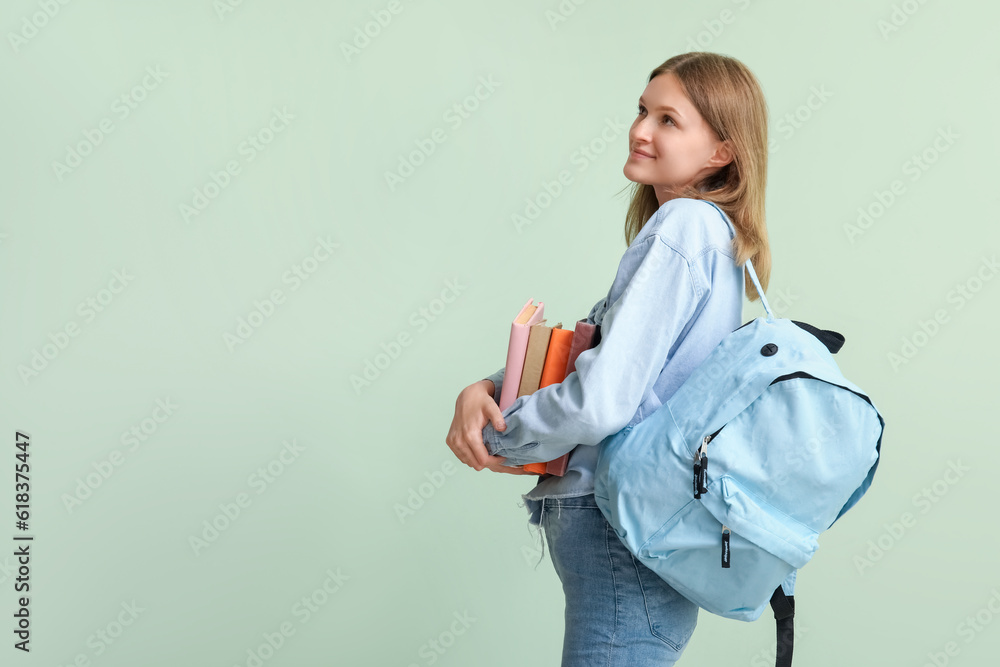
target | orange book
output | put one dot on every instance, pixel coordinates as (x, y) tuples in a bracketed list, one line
[(554, 370), (557, 358), (585, 336)]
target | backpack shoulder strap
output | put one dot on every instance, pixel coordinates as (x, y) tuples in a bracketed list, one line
[(784, 616)]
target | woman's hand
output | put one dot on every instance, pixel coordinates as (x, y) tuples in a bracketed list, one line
[(473, 409)]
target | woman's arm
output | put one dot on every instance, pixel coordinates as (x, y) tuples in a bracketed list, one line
[(655, 296)]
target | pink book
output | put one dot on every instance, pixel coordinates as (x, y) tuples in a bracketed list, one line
[(516, 348)]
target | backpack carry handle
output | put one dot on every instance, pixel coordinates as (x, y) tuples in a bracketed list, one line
[(831, 339), (760, 292)]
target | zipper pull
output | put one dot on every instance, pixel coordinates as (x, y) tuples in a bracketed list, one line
[(702, 480), (697, 475), (725, 546)]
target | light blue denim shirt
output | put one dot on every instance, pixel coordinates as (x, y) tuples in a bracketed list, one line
[(677, 293)]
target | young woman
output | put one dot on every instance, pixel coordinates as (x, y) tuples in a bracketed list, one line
[(698, 160)]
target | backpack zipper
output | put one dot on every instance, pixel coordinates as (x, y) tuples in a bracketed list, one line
[(701, 486), (701, 465)]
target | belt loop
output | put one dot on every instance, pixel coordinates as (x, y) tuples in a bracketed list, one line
[(541, 532)]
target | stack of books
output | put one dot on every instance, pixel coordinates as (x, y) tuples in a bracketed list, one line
[(540, 355)]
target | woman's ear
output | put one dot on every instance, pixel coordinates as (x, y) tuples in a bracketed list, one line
[(723, 154)]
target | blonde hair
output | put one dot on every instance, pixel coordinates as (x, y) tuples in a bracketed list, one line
[(728, 96)]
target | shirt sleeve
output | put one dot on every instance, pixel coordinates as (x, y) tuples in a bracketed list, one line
[(593, 311), (497, 380), (638, 334)]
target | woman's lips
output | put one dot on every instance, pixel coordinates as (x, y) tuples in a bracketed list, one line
[(638, 154)]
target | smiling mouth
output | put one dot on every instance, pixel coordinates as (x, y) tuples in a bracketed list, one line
[(638, 153)]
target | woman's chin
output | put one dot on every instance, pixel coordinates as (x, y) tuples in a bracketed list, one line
[(630, 174)]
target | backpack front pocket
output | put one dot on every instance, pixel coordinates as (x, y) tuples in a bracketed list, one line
[(761, 523), (762, 547)]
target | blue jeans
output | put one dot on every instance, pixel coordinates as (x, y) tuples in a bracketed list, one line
[(618, 611)]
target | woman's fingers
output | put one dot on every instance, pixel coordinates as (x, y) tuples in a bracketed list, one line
[(467, 443), (496, 416), (477, 448)]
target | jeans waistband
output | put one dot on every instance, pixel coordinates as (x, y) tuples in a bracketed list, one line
[(586, 500)]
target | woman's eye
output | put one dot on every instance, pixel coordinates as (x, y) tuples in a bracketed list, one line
[(640, 110)]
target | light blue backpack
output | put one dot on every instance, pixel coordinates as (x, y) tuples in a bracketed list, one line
[(724, 490)]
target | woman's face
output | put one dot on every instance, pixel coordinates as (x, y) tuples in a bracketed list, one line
[(671, 147)]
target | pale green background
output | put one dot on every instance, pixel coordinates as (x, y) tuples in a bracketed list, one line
[(468, 548)]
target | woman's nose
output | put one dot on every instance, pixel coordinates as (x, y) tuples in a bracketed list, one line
[(638, 133)]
